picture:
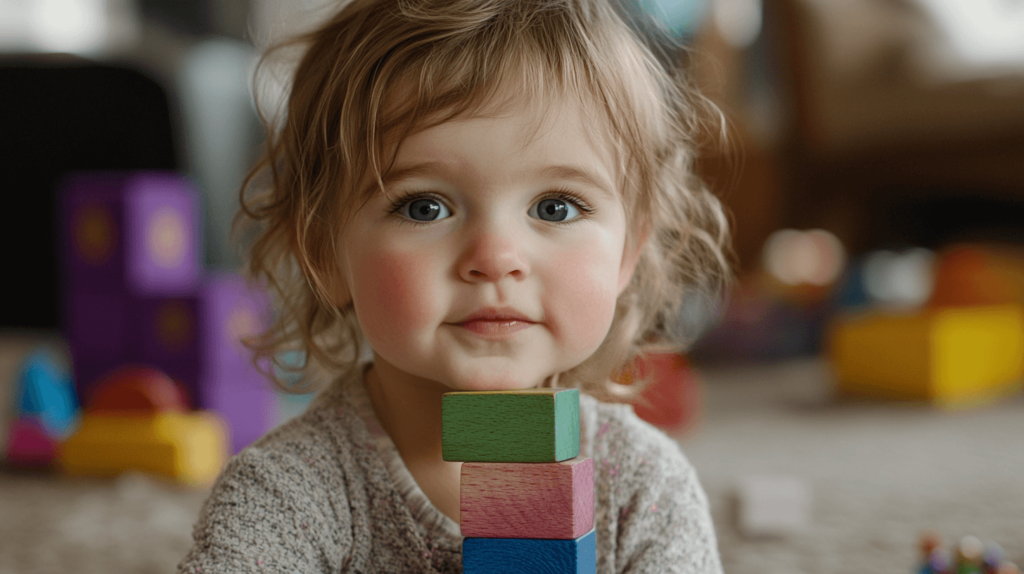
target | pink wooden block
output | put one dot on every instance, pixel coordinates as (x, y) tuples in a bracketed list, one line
[(528, 500), (28, 444)]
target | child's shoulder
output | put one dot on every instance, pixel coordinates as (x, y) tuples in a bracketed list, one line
[(613, 429), (311, 453), (651, 512), (307, 477), (331, 433), (630, 454), (317, 452)]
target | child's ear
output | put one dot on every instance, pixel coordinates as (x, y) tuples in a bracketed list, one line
[(631, 256)]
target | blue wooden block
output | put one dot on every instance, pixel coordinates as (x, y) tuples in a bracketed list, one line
[(530, 555)]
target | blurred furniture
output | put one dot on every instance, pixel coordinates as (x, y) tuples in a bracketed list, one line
[(885, 142)]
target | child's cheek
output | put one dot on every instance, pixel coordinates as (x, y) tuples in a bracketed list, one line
[(392, 295), (583, 293)]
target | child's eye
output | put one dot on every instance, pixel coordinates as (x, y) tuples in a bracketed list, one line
[(554, 209), (424, 209)]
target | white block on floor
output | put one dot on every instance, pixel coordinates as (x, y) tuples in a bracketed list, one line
[(773, 505)]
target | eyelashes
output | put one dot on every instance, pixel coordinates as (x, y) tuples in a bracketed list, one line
[(570, 196), (400, 204)]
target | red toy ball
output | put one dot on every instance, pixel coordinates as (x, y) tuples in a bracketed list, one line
[(137, 389), (669, 401)]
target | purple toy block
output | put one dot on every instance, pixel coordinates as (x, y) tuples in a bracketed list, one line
[(91, 224), (167, 335), (95, 324), (232, 311), (130, 232), (248, 410), (97, 329), (162, 236), (197, 338)]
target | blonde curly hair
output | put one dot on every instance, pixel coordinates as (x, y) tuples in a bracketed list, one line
[(378, 70)]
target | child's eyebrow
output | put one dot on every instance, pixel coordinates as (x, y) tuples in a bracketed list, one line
[(567, 172), (396, 176), (577, 174)]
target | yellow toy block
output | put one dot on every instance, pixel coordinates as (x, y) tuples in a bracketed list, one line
[(953, 357), (190, 448)]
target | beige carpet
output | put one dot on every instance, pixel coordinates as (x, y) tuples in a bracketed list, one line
[(135, 524), (878, 474)]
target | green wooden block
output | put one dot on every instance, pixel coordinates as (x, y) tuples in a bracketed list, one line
[(535, 425)]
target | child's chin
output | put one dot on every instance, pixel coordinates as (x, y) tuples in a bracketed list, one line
[(495, 382)]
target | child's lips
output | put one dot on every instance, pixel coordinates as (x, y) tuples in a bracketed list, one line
[(495, 328), (495, 323)]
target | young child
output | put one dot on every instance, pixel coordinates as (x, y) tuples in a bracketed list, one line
[(489, 194)]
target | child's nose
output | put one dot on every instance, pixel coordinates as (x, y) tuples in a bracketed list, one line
[(491, 257)]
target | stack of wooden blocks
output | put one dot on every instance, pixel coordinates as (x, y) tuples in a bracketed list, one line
[(527, 498)]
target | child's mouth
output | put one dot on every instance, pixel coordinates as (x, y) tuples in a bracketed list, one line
[(497, 328)]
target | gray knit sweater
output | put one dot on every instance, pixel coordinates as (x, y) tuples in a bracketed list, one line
[(328, 492)]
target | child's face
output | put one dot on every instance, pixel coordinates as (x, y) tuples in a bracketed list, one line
[(496, 258)]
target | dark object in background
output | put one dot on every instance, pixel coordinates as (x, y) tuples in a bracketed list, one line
[(199, 18), (60, 114), (183, 16)]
